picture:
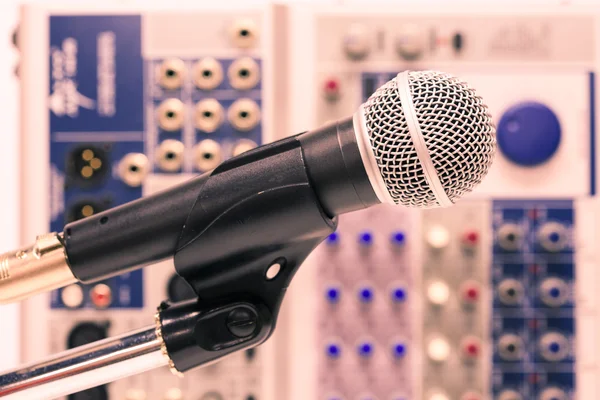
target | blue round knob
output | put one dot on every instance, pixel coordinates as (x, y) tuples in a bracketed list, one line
[(333, 350), (333, 238), (399, 350), (398, 238), (365, 238), (365, 294), (365, 349), (333, 295), (398, 294), (528, 133)]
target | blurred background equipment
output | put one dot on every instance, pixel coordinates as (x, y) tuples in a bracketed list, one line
[(119, 102), (485, 300), (494, 298)]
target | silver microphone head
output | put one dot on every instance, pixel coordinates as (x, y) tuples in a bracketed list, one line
[(431, 139)]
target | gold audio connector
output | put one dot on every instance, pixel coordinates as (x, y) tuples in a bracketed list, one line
[(34, 269)]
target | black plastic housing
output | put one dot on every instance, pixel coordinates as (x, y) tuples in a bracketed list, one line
[(326, 161)]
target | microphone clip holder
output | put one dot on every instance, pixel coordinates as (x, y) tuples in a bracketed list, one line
[(240, 265)]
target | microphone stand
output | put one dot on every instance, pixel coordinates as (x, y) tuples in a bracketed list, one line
[(85, 367)]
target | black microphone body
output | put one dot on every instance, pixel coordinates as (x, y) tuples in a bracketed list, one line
[(327, 161)]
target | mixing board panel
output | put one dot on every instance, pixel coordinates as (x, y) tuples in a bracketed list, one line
[(455, 313), (487, 322), (132, 102), (366, 273), (481, 301), (534, 305)]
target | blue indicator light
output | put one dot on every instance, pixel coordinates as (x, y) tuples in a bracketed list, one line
[(333, 295), (399, 350), (554, 237), (398, 295), (365, 349), (365, 295), (365, 238), (398, 238), (554, 347), (334, 351), (333, 238)]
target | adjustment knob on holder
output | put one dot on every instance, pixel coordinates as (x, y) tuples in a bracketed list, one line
[(528, 133)]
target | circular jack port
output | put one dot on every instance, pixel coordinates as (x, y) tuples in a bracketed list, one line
[(171, 73), (208, 115), (509, 395), (244, 33), (170, 115), (208, 74), (243, 146), (554, 292), (510, 237), (244, 114), (553, 236), (169, 155), (207, 155), (553, 394), (510, 347), (510, 292), (133, 169), (554, 347), (243, 73)]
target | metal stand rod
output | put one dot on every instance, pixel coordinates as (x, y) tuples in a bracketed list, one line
[(85, 367)]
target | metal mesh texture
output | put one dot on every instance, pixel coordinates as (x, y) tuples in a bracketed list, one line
[(458, 132)]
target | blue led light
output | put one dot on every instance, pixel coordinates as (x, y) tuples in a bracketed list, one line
[(365, 349), (333, 351), (554, 237), (333, 238), (398, 295), (399, 350), (398, 238), (365, 238), (333, 295), (366, 295)]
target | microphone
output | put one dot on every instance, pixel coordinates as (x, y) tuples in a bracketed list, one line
[(422, 140)]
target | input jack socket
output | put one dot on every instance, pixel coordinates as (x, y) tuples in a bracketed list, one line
[(244, 114), (170, 115), (169, 155)]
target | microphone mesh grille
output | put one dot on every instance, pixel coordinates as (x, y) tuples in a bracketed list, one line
[(457, 129)]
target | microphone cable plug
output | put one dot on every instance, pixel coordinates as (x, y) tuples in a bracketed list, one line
[(34, 269)]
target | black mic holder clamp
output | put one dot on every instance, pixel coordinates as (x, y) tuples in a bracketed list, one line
[(240, 266)]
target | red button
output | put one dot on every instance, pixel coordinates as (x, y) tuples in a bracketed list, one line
[(471, 348), (470, 238), (471, 292), (101, 295), (332, 89)]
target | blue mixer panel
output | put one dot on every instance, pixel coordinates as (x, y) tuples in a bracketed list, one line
[(533, 319), (96, 118)]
